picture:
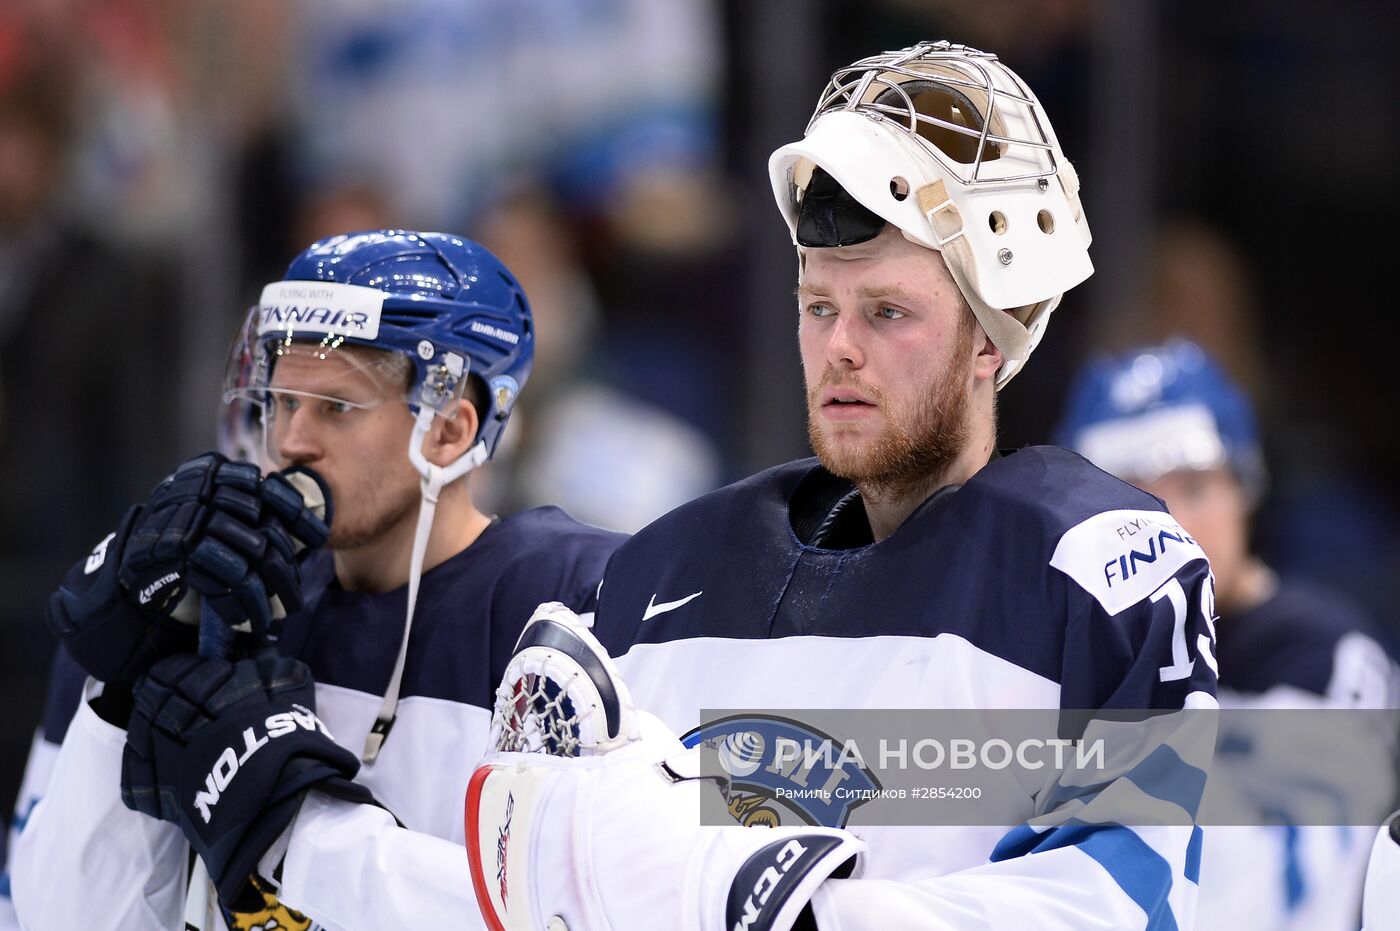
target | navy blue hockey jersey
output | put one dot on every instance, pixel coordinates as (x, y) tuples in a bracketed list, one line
[(1305, 638), (1041, 583), (470, 610)]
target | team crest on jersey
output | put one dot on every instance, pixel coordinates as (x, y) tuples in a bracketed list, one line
[(781, 771), (274, 916)]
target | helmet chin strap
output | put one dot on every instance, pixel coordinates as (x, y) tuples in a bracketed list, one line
[(433, 478)]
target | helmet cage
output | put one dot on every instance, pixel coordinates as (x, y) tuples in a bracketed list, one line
[(954, 80)]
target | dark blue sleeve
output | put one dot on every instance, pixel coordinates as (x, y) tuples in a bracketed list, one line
[(65, 690), (567, 566)]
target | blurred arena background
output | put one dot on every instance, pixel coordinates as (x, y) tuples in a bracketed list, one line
[(160, 160)]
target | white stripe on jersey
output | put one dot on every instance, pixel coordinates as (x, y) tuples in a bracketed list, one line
[(676, 679), (431, 753)]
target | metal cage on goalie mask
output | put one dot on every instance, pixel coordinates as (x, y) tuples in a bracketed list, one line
[(948, 145), (444, 303), (947, 98)]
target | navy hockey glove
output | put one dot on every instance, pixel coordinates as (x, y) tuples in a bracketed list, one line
[(101, 627), (214, 527), (219, 528), (227, 751)]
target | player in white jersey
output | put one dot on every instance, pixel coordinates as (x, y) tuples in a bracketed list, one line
[(389, 363), (937, 225), (1169, 419)]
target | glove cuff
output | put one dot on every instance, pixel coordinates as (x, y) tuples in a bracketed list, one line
[(239, 884), (770, 887)]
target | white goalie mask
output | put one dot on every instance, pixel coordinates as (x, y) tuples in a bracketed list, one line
[(951, 147)]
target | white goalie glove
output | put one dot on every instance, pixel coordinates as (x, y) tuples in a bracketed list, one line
[(587, 815)]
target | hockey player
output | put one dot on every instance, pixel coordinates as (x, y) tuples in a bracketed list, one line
[(1169, 420), (937, 226), (388, 362)]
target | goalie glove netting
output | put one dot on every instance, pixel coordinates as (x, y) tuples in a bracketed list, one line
[(535, 715), (561, 694)]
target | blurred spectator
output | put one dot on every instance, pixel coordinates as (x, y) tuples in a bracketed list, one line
[(89, 347), (444, 102), (606, 109), (1323, 516), (1202, 288), (606, 457)]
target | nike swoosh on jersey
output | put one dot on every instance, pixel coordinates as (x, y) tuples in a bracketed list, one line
[(653, 609)]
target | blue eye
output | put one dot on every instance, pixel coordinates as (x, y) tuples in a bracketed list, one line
[(821, 310), (890, 313), (340, 407)]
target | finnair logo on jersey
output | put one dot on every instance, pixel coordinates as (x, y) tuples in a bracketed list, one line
[(1121, 557), (228, 764), (320, 308), (495, 332), (1153, 542), (782, 772)]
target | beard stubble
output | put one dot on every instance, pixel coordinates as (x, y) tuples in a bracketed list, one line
[(918, 445)]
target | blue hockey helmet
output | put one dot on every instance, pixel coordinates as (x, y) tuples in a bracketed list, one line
[(396, 316), (442, 302), (1161, 409)]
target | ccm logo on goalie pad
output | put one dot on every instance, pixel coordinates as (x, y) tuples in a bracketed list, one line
[(768, 878), (230, 761)]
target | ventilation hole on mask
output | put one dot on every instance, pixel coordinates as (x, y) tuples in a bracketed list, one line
[(1046, 221), (997, 221), (899, 188)]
